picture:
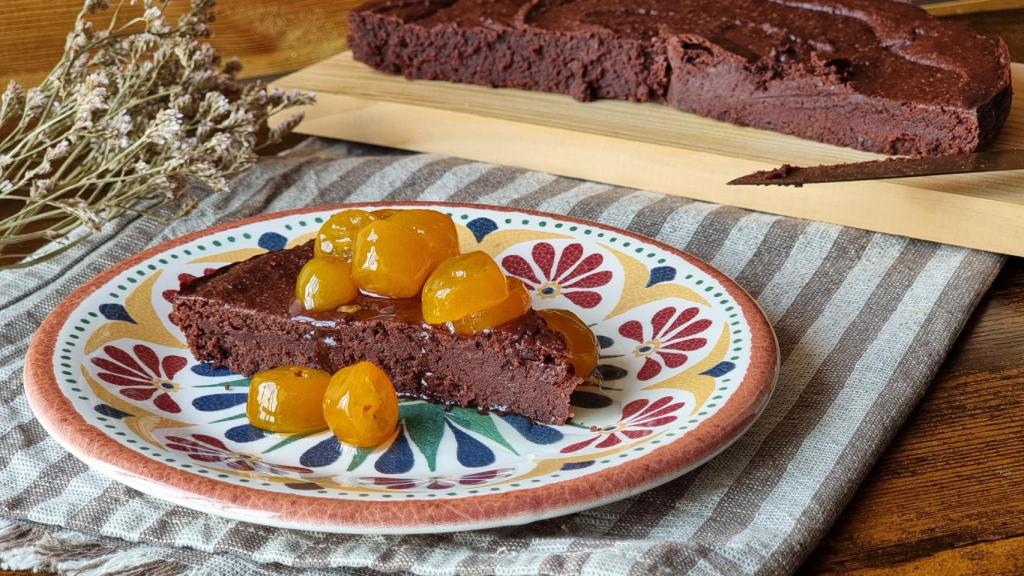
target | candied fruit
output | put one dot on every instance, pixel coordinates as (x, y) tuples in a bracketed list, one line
[(338, 233), (360, 405), (578, 336), (384, 213), (435, 228), (288, 399), (462, 285), (324, 283), (513, 306), (390, 260)]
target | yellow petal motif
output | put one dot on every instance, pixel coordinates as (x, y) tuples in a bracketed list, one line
[(140, 421), (636, 293), (498, 241), (229, 257), (147, 326), (300, 240)]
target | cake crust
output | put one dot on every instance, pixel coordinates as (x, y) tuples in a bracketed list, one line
[(877, 75)]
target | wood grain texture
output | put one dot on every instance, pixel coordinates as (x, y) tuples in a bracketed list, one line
[(946, 498), (270, 36), (655, 147)]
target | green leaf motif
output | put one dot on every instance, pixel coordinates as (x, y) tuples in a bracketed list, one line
[(229, 418), (288, 440), (424, 423), (482, 424), (359, 458), (243, 383)]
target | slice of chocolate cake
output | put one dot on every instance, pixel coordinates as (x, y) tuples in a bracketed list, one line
[(877, 75), (244, 316)]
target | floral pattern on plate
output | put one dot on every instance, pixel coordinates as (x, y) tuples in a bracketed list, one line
[(675, 346)]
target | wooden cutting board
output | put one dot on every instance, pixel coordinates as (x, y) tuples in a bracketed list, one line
[(658, 148)]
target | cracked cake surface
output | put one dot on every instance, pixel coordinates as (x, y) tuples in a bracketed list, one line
[(877, 75)]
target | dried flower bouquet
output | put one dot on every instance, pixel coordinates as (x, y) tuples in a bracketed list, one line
[(130, 113)]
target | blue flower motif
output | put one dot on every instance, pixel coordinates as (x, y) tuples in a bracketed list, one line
[(110, 411), (536, 433), (720, 369), (423, 425), (591, 400), (397, 459), (576, 465), (609, 372), (272, 241), (604, 341), (215, 402), (481, 227), (245, 433), (323, 453), (661, 274), (116, 312), (469, 451), (209, 370)]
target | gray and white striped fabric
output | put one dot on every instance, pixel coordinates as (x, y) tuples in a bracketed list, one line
[(863, 321)]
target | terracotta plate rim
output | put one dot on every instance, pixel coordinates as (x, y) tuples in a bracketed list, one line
[(91, 445)]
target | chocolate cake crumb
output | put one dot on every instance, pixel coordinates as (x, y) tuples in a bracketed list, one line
[(776, 173)]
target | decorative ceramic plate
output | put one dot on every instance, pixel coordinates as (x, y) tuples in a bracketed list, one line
[(688, 361)]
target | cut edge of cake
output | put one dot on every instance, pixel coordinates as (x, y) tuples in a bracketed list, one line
[(520, 368), (687, 72)]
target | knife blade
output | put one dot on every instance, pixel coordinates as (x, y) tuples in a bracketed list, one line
[(786, 175)]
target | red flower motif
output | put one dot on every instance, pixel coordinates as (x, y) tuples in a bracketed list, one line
[(142, 376), (203, 448), (671, 336), (437, 482), (570, 273), (639, 418)]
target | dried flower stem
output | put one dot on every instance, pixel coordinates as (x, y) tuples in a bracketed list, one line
[(130, 114)]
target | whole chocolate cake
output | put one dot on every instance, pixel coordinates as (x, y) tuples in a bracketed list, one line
[(877, 75), (244, 316)]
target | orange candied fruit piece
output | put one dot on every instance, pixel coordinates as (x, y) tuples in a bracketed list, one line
[(578, 337), (384, 213), (288, 399), (513, 306), (325, 283), (338, 233), (390, 260), (462, 285), (435, 228), (360, 405)]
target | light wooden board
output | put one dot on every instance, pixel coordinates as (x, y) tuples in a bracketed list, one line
[(655, 147)]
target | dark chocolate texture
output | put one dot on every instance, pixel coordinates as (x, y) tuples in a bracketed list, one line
[(244, 316), (877, 75)]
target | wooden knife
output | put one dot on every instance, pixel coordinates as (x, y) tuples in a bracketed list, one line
[(786, 175)]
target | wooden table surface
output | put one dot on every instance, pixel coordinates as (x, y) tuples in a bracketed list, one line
[(948, 495)]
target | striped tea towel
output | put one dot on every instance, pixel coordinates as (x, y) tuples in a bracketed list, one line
[(863, 321)]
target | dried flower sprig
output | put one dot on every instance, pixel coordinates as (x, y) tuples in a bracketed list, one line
[(126, 118)]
